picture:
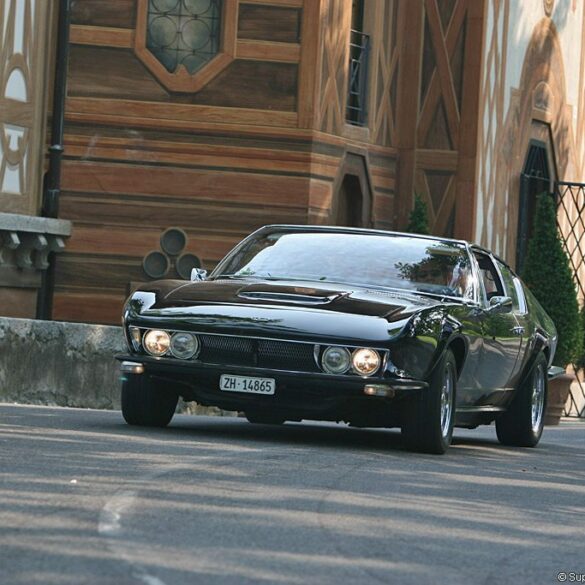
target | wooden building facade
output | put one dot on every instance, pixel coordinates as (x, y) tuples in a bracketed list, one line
[(267, 130), (27, 42), (198, 121)]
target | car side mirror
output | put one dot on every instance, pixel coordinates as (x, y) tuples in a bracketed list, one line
[(198, 274), (501, 305)]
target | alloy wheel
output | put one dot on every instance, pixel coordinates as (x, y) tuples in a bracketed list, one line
[(538, 392), (447, 401)]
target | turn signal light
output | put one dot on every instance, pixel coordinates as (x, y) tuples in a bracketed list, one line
[(380, 390)]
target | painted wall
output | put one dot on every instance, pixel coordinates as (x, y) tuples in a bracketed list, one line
[(532, 88), (24, 37), (26, 240)]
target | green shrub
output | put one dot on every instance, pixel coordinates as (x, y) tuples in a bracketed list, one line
[(548, 275), (418, 221)]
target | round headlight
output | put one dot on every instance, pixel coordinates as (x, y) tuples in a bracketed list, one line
[(156, 342), (365, 361), (336, 360), (184, 345)]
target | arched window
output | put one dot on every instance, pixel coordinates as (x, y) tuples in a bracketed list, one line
[(185, 43), (350, 203)]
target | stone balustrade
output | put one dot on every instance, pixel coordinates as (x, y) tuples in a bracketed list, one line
[(25, 245)]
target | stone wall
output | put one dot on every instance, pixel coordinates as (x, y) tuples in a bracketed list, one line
[(65, 364)]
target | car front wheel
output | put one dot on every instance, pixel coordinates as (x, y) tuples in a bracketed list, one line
[(521, 425), (428, 422), (146, 402)]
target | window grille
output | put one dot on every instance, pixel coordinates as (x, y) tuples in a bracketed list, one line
[(570, 199), (358, 78), (184, 32)]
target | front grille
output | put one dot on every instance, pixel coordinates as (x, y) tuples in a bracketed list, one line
[(236, 351), (261, 353), (283, 355)]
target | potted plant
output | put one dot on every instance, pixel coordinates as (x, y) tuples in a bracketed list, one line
[(579, 363), (577, 401), (548, 275)]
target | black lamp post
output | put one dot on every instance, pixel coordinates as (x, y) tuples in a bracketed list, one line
[(52, 182)]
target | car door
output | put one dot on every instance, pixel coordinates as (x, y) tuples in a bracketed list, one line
[(513, 289), (502, 337)]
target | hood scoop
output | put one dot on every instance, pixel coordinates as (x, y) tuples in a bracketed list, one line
[(289, 298)]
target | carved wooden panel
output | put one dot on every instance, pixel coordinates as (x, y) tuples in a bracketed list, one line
[(442, 73), (24, 27), (437, 190), (334, 55), (269, 23), (106, 13), (443, 82), (116, 74), (384, 72)]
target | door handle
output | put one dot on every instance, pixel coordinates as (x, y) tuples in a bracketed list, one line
[(519, 330)]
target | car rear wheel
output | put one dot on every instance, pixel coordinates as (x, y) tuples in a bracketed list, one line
[(428, 422), (146, 402), (263, 418), (521, 425)]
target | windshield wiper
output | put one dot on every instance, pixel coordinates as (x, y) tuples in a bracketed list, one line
[(260, 277), (233, 277), (441, 296), (249, 277)]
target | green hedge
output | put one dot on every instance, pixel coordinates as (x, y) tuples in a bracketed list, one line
[(418, 221), (548, 275)]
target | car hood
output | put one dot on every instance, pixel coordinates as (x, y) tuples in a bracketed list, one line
[(277, 307)]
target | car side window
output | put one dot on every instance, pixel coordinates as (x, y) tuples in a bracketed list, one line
[(488, 276), (521, 298), (509, 285)]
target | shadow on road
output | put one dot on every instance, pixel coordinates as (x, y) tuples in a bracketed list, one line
[(221, 500)]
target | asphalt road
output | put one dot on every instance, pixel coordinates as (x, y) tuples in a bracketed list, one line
[(86, 499)]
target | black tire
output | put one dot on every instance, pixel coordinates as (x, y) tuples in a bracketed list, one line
[(263, 418), (147, 403), (428, 424), (520, 426)]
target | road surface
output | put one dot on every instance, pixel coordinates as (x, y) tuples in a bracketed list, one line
[(86, 499)]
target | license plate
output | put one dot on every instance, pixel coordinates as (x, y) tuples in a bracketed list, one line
[(247, 384)]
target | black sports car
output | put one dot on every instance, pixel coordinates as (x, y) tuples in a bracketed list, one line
[(368, 327)]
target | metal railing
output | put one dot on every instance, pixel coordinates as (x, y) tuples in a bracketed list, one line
[(570, 198), (359, 54)]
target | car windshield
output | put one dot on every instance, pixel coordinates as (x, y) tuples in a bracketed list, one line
[(402, 262)]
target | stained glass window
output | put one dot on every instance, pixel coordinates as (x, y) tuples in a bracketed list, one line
[(184, 32)]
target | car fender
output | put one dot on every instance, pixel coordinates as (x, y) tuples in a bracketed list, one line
[(538, 344), (431, 333), (452, 338)]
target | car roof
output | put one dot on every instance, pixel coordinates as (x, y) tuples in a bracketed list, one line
[(353, 230)]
